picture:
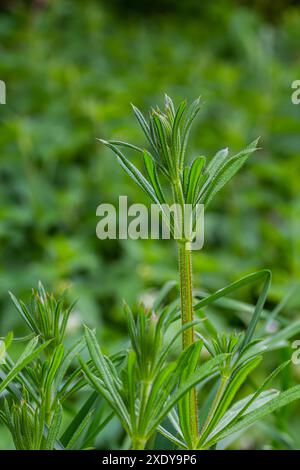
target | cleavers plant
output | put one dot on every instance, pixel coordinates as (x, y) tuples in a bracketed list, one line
[(40, 381), (149, 386), (167, 133)]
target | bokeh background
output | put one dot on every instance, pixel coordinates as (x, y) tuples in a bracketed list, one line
[(71, 69)]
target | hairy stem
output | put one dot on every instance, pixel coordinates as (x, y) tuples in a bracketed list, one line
[(186, 299), (187, 316), (185, 273)]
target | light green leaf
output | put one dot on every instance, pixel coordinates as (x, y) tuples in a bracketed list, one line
[(30, 353), (144, 125), (53, 367), (217, 161), (245, 281), (109, 380), (79, 417), (131, 363), (193, 179), (22, 309), (54, 428), (151, 171), (216, 182), (132, 171), (232, 388), (283, 399), (204, 371), (191, 114), (73, 442), (245, 406), (176, 128)]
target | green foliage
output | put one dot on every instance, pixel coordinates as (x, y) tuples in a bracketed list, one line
[(46, 317), (168, 137), (144, 385), (54, 174), (167, 133), (147, 386), (43, 377), (60, 98)]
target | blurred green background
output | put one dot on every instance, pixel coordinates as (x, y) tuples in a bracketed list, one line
[(71, 70)]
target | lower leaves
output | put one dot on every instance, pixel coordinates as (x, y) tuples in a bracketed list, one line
[(146, 386)]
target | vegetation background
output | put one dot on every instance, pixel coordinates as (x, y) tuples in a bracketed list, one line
[(71, 70)]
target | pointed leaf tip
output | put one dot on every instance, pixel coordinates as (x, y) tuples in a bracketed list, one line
[(105, 142)]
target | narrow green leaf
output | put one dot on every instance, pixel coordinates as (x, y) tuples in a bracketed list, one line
[(258, 309), (67, 361), (217, 161), (230, 417), (105, 373), (132, 171), (216, 182), (171, 438), (88, 404), (161, 135), (283, 399), (73, 442), (53, 367), (245, 281), (91, 434), (54, 428), (151, 171), (191, 114), (234, 410), (193, 180), (169, 105), (204, 371), (184, 403), (233, 386), (98, 385), (131, 363), (30, 353), (176, 130), (144, 125), (21, 308), (120, 143)]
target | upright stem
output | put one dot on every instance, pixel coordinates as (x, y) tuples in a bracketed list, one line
[(215, 404), (139, 440), (186, 299), (188, 335), (138, 444)]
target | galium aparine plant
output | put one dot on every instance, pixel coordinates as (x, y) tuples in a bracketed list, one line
[(148, 386)]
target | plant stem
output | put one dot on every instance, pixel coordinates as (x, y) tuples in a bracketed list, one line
[(145, 389), (214, 406), (185, 273), (138, 444), (187, 316), (186, 300)]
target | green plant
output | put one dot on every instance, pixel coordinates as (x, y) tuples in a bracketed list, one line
[(37, 383), (145, 385), (150, 387), (167, 133), (145, 388)]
